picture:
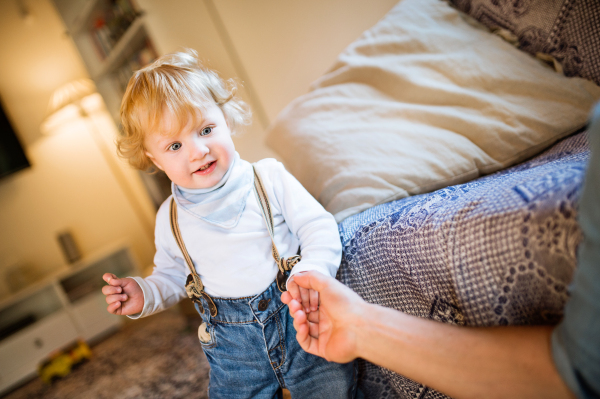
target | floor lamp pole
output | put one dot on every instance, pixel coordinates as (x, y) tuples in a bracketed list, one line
[(117, 172)]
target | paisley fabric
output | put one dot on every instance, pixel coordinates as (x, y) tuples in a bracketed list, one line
[(567, 30), (499, 250)]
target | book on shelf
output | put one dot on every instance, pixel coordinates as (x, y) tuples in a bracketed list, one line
[(144, 56), (111, 24)]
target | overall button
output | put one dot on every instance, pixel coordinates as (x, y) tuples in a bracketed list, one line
[(263, 304)]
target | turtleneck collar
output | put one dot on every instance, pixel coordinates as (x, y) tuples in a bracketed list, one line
[(192, 191), (222, 204)]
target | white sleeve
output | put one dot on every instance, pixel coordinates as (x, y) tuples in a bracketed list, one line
[(315, 228), (166, 285)]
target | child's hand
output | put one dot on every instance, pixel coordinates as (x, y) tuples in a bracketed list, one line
[(308, 298), (123, 295)]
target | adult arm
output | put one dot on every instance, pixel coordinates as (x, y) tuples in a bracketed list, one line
[(576, 340), (468, 362), (463, 362)]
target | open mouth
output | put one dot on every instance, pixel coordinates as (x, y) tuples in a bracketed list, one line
[(207, 168)]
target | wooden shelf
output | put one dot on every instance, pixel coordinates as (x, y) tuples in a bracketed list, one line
[(83, 19), (124, 47), (113, 39)]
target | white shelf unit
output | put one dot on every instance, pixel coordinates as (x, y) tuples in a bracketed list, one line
[(111, 65), (123, 39), (53, 313)]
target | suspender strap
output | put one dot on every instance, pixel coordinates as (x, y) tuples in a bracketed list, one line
[(177, 234), (193, 285), (284, 264)]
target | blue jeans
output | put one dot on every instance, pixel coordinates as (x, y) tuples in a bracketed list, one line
[(253, 353)]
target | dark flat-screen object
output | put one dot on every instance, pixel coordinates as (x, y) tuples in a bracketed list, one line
[(12, 156)]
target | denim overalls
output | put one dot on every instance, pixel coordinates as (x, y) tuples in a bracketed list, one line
[(253, 353), (250, 342)]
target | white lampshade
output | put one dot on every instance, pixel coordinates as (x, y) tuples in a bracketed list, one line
[(77, 108), (69, 103)]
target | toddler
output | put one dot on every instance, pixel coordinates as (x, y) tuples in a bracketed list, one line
[(227, 236)]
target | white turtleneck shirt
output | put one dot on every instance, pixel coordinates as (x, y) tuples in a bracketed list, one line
[(226, 236)]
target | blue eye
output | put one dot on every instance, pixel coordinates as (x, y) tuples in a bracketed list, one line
[(206, 131), (175, 146)]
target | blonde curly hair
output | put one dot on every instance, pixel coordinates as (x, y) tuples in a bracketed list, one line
[(180, 85)]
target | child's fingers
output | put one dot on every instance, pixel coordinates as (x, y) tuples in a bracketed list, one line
[(110, 290), (110, 299), (314, 300), (114, 308), (111, 279), (305, 299)]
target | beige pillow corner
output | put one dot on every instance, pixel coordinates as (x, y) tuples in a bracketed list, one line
[(421, 101)]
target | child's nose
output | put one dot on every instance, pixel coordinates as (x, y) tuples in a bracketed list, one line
[(199, 150)]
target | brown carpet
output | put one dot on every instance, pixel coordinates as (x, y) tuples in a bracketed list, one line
[(156, 357)]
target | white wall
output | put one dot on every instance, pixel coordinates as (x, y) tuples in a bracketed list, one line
[(182, 24), (286, 45), (69, 185), (275, 48)]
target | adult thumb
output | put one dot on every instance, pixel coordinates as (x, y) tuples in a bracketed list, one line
[(312, 280)]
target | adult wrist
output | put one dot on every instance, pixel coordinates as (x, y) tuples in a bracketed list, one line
[(382, 332), (361, 324)]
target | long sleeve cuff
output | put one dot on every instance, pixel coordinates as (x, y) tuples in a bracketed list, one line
[(148, 299)]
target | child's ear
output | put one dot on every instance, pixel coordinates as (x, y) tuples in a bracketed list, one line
[(154, 161)]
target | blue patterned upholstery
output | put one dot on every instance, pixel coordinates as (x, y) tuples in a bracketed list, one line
[(568, 30), (498, 250)]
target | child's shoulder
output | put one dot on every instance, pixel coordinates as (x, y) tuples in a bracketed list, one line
[(269, 166), (162, 223), (163, 210), (267, 162), (270, 169)]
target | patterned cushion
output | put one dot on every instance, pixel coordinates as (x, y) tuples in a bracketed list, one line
[(499, 250), (567, 30)]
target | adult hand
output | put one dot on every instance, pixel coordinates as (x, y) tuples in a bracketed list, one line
[(123, 295), (462, 362), (331, 331)]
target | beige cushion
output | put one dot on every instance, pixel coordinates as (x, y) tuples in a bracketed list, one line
[(424, 99)]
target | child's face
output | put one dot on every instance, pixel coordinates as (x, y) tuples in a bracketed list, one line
[(197, 156)]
